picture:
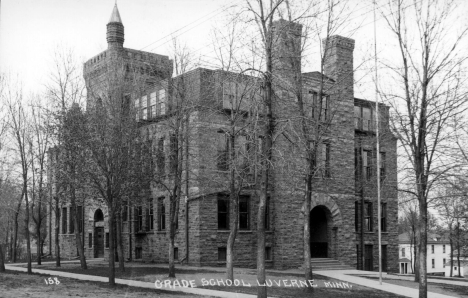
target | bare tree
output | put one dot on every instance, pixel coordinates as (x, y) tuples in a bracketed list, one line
[(425, 95)]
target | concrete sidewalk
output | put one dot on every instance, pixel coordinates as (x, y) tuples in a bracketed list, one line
[(134, 283), (463, 283)]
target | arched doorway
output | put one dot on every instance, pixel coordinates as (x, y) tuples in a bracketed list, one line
[(319, 232), (98, 234)]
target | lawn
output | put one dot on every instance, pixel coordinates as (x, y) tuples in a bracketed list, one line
[(279, 284), (14, 284)]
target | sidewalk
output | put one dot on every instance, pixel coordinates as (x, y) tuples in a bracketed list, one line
[(463, 283), (134, 283)]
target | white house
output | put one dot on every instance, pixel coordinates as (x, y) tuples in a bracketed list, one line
[(456, 269), (438, 252)]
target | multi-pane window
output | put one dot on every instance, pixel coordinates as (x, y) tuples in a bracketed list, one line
[(64, 220), (383, 217), (139, 219), (144, 107), (161, 215), (150, 215), (367, 164), (362, 118), (433, 263), (244, 214), (223, 213), (161, 158), (368, 216), (403, 252), (222, 149), (319, 108), (153, 111), (161, 102), (80, 219), (432, 248), (443, 249), (382, 165)]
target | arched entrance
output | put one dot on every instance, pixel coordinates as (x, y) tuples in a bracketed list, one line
[(98, 234), (319, 232)]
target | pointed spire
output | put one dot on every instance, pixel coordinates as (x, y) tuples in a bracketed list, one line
[(115, 17)]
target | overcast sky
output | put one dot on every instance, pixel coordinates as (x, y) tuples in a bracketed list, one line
[(30, 30)]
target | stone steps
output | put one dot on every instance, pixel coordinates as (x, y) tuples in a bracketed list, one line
[(328, 264)]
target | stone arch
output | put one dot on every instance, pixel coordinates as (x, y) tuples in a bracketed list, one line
[(98, 215), (329, 202)]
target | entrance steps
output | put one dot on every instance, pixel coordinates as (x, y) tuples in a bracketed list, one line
[(328, 264)]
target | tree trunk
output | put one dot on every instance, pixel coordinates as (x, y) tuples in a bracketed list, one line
[(119, 243), (15, 231), (415, 253), (78, 242), (451, 251), (307, 257), (38, 245), (422, 248), (57, 233), (458, 249), (234, 202), (26, 221), (2, 259), (111, 246)]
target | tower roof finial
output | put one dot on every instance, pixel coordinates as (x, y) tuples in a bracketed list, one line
[(115, 16)]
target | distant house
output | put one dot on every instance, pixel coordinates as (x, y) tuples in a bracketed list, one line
[(438, 253), (457, 269)]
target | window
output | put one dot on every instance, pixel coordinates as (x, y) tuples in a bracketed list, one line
[(144, 107), (244, 216), (443, 260), (325, 160), (366, 164), (383, 217), (384, 258), (455, 268), (356, 216), (356, 163), (139, 219), (221, 254), (150, 216), (222, 144), (319, 109), (268, 256), (174, 153), (432, 248), (368, 216), (161, 104), (64, 220), (433, 263), (176, 253), (382, 166), (362, 118), (124, 210), (80, 219), (223, 213), (138, 252), (72, 220), (161, 158), (90, 240), (152, 108), (161, 215), (267, 214), (403, 252), (368, 258), (137, 109), (107, 240), (443, 249)]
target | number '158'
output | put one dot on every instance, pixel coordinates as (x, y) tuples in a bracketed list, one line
[(51, 281)]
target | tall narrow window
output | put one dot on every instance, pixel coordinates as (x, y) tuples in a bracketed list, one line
[(162, 102), (357, 118), (153, 112), (403, 252), (367, 164), (150, 215), (161, 158), (244, 214), (173, 155), (368, 216), (433, 263), (125, 210), (223, 212), (90, 240), (324, 105), (443, 260), (144, 107), (326, 159), (72, 220), (137, 109), (222, 151), (64, 220), (443, 249), (161, 215), (80, 219), (366, 119), (432, 248), (382, 166), (356, 163), (107, 239), (222, 254), (356, 215), (176, 253), (267, 214), (383, 217), (268, 254), (139, 214)]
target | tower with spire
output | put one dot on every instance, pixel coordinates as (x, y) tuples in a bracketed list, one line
[(115, 30)]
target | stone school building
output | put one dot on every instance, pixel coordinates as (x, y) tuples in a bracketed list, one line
[(344, 201)]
